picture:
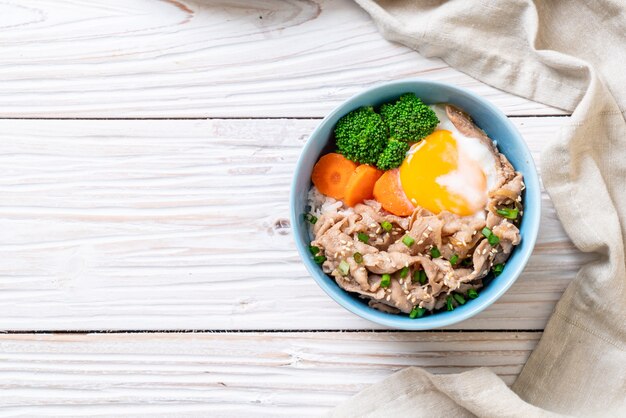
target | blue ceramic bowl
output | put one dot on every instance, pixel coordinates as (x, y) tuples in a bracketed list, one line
[(486, 116)]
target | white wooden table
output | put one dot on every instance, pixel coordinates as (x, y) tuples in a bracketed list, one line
[(147, 264)]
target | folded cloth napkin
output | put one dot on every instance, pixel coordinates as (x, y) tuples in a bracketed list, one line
[(572, 55)]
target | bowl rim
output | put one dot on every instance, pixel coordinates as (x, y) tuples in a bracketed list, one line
[(532, 211)]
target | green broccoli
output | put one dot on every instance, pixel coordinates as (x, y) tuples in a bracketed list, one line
[(393, 155), (361, 136), (409, 119)]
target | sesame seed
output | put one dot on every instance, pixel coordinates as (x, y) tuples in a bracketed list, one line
[(519, 198), (430, 228), (414, 201), (408, 297), (413, 299), (450, 246), (406, 264), (378, 230), (343, 253), (420, 242), (406, 292), (372, 235), (343, 241), (336, 254), (474, 233), (388, 298), (372, 225), (401, 281), (425, 234)]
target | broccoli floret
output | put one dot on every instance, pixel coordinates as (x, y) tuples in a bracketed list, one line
[(409, 119), (361, 136), (393, 155)]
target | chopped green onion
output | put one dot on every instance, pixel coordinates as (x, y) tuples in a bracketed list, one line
[(449, 305), (344, 267), (385, 281), (454, 259), (319, 259), (420, 276), (508, 213), (358, 257), (404, 272), (386, 226), (493, 239), (310, 218), (467, 262), (408, 241), (435, 253), (314, 250), (417, 312), (497, 269), (363, 237), (472, 294), (459, 298)]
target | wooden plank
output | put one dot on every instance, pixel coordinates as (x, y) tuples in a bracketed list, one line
[(216, 58), (183, 224), (275, 374)]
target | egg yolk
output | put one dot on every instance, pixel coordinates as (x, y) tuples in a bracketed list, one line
[(436, 176)]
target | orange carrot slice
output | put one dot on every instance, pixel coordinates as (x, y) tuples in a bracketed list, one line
[(331, 174), (361, 184), (388, 192)]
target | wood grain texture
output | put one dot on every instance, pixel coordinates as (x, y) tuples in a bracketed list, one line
[(258, 374), (175, 224), (209, 58)]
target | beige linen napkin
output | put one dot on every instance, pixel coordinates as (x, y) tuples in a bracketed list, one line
[(569, 54)]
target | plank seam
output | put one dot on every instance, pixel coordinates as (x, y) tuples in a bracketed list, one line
[(264, 331)]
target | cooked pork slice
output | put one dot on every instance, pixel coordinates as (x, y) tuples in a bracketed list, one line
[(506, 231), (388, 262), (463, 122)]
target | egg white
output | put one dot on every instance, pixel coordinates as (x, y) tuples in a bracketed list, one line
[(470, 147)]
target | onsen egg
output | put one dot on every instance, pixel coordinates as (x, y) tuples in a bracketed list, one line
[(448, 170)]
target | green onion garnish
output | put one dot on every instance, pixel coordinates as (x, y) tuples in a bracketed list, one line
[(420, 276), (491, 237), (408, 241), (314, 250), (385, 281), (454, 259), (417, 312), (344, 267), (363, 237), (435, 253), (449, 305), (493, 240), (459, 298), (508, 213), (310, 218), (472, 294), (497, 269), (358, 257), (386, 226), (404, 272), (319, 259)]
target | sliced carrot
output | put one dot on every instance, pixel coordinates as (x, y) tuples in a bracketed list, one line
[(331, 174), (361, 184), (388, 192)]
